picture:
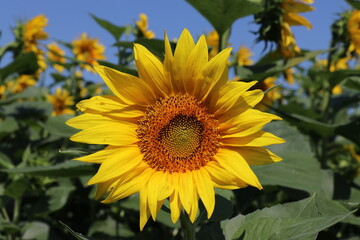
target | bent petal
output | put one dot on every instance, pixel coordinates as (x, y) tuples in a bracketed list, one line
[(258, 139)]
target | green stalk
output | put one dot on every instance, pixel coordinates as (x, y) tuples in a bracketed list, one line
[(223, 39), (187, 226)]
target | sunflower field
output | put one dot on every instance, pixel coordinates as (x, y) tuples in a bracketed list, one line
[(185, 138)]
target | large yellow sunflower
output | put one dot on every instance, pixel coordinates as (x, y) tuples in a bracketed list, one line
[(176, 131)]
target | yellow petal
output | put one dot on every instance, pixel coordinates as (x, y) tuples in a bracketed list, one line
[(186, 190), (257, 155), (88, 120), (253, 97), (104, 188), (257, 139), (183, 49), (129, 183), (155, 184), (229, 95), (112, 133), (214, 74), (165, 187), (175, 204), (169, 67), (150, 69), (123, 160), (233, 162), (222, 178), (110, 106), (194, 207), (205, 189), (144, 210), (99, 156), (195, 63), (245, 124), (295, 19), (130, 89)]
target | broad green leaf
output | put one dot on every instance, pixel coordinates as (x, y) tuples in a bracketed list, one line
[(297, 220), (25, 63), (56, 126), (8, 125), (66, 169), (16, 188), (299, 169), (110, 227), (223, 13), (120, 68), (354, 3), (36, 230), (353, 82), (29, 92), (271, 67), (29, 109), (114, 30), (5, 161), (350, 130), (77, 235)]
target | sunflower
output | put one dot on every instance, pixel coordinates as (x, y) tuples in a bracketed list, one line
[(88, 50), (243, 56), (34, 31), (175, 132), (143, 26), (56, 54), (353, 27), (2, 91), (22, 82), (291, 8), (61, 100), (212, 40)]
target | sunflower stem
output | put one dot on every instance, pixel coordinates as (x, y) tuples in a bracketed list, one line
[(187, 226)]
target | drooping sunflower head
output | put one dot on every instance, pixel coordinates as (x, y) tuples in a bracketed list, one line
[(89, 50), (176, 131), (61, 101), (353, 27), (34, 31)]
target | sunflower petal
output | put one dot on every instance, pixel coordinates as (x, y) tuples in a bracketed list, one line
[(144, 209), (186, 190), (112, 133), (169, 67), (150, 69), (119, 163), (104, 188), (257, 155), (156, 182), (99, 156), (130, 89), (257, 139), (175, 203), (205, 189), (233, 162)]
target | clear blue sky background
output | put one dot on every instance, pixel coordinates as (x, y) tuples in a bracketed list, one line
[(69, 18)]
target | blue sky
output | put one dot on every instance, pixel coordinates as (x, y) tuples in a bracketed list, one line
[(68, 19)]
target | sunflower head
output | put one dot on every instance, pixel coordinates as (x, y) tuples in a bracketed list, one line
[(176, 131), (22, 82), (88, 50), (142, 26), (61, 101), (34, 31)]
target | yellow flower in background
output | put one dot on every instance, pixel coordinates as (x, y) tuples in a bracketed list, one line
[(21, 83), (288, 47), (2, 91), (34, 31), (353, 27), (143, 26), (243, 56), (56, 54), (270, 96), (291, 8), (288, 75), (88, 50), (176, 131), (212, 40), (61, 101)]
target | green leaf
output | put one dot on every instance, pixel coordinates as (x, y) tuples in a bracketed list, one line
[(298, 220), (30, 92), (353, 83), (5, 161), (223, 13), (350, 130), (354, 3), (120, 68), (56, 126), (66, 169), (299, 169), (29, 109), (25, 63), (16, 188), (8, 125), (114, 30), (269, 67), (77, 235), (110, 227), (36, 230)]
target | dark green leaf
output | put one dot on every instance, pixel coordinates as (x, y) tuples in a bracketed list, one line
[(353, 82), (110, 227), (299, 169), (297, 220), (5, 161), (66, 169), (8, 125), (350, 130), (24, 64), (56, 126), (36, 230), (114, 30), (16, 188), (30, 92), (119, 68), (223, 13), (29, 109), (77, 235), (354, 3)]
